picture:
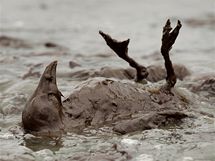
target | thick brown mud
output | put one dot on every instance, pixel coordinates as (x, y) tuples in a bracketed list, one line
[(97, 102)]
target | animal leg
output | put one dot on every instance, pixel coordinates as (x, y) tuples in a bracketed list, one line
[(168, 39), (121, 49)]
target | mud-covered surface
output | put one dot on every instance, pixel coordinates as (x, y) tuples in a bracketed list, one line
[(156, 73), (125, 106), (34, 33)]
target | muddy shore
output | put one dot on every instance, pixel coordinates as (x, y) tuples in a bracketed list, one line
[(34, 33)]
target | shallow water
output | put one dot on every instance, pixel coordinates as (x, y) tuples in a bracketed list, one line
[(75, 25)]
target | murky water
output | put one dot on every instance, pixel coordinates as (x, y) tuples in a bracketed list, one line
[(75, 25)]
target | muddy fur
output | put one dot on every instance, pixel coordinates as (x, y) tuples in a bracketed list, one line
[(101, 101)]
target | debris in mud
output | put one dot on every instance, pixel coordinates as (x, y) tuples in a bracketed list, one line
[(6, 41), (50, 45), (156, 73), (10, 109), (32, 73), (101, 156), (16, 130), (106, 72), (205, 86), (209, 20), (8, 60), (123, 152), (55, 46), (150, 121), (73, 64), (48, 53)]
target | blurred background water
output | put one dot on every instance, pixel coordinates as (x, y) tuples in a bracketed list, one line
[(75, 25)]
